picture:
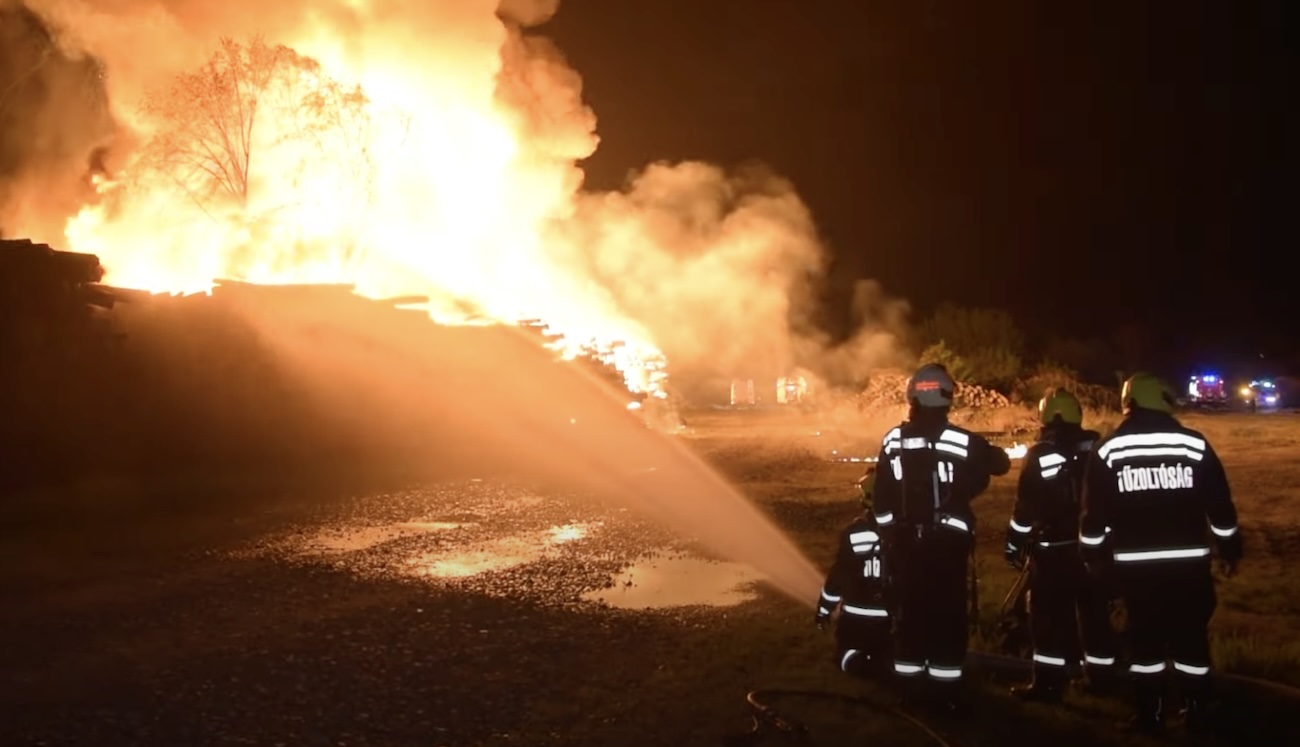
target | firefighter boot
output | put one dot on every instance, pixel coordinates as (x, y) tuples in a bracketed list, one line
[(912, 691), (1044, 688), (1195, 715), (949, 699), (1149, 717), (1100, 682)]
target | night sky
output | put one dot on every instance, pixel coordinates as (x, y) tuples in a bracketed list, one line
[(1081, 166)]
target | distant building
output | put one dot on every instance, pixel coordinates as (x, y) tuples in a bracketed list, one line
[(742, 392), (776, 390)]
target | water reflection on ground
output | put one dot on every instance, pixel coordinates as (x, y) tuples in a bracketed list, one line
[(498, 554), (504, 540), (679, 581)]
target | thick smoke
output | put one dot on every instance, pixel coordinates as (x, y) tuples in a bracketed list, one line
[(720, 269), (54, 123)]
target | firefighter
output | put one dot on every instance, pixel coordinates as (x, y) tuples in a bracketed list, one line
[(1044, 527), (1150, 489), (856, 584), (930, 471)]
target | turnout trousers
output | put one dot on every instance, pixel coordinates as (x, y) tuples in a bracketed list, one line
[(1069, 618), (930, 642), (1169, 605), (863, 645)]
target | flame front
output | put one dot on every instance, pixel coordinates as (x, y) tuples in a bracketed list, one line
[(399, 165)]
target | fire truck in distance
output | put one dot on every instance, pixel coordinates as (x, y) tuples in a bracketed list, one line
[(1207, 389), (1260, 393)]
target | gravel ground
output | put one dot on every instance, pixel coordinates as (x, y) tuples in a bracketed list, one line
[(325, 624), (452, 614)]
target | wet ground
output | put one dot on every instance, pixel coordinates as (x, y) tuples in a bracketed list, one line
[(468, 613), (509, 541), (430, 616)]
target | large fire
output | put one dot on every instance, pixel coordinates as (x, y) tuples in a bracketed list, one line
[(430, 148), (332, 159)]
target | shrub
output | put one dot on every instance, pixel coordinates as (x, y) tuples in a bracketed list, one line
[(974, 407), (1050, 375), (987, 343)]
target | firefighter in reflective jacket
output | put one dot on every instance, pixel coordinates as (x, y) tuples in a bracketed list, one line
[(857, 585), (930, 471), (1044, 526), (1150, 489)]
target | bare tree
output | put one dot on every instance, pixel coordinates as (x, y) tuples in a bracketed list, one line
[(211, 125), (205, 120)]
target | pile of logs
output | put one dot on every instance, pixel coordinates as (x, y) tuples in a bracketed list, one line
[(47, 296)]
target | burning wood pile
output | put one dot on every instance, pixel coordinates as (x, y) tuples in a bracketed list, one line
[(244, 377)]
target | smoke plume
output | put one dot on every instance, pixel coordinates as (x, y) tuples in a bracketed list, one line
[(720, 269), (53, 123)]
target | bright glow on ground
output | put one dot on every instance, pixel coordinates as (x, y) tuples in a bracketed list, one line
[(678, 582)]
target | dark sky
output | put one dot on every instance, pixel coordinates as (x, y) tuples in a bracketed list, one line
[(1086, 164)]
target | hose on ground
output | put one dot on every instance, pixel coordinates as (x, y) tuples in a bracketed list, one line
[(1021, 667), (765, 717)]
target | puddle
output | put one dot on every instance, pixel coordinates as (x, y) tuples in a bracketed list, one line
[(498, 554), (679, 581), (568, 533), (352, 539)]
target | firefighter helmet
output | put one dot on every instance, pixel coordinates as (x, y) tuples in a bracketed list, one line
[(1060, 403), (1146, 391), (931, 386), (867, 488)]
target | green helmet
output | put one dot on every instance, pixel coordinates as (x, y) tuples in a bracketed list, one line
[(867, 487), (1146, 391), (1060, 403)]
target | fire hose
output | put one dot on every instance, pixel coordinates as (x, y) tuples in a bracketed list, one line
[(1017, 588), (766, 718)]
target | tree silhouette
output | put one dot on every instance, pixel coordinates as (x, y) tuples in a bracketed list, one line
[(248, 101), (206, 119), (987, 342)]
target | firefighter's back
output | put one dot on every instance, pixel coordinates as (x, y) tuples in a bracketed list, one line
[(1159, 468), (940, 468), (1060, 462), (865, 589)]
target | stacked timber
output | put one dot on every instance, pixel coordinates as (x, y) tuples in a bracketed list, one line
[(37, 276), (55, 342), (253, 378), (49, 297)]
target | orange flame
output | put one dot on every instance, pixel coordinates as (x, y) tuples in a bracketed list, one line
[(412, 177)]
